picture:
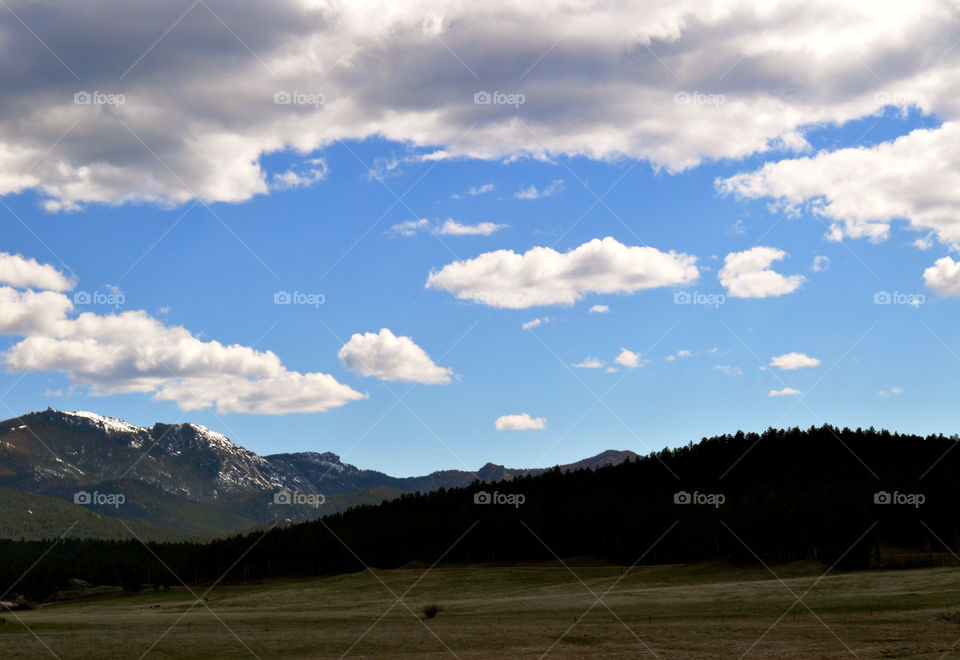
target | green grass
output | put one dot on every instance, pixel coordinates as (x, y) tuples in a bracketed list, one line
[(700, 611)]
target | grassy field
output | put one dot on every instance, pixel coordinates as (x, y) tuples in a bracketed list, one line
[(698, 611)]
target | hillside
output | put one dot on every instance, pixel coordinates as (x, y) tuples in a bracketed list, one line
[(35, 517)]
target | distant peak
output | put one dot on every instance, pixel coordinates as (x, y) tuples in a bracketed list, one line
[(109, 424)]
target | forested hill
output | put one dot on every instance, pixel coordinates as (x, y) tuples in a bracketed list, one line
[(839, 496)]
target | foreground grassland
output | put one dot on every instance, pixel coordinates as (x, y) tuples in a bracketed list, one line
[(700, 611)]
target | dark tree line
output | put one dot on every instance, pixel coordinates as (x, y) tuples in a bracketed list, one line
[(786, 494)]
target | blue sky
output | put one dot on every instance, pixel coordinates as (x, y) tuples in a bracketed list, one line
[(190, 255)]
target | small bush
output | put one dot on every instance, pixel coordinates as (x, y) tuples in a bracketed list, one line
[(432, 610)]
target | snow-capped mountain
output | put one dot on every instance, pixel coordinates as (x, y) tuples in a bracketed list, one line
[(62, 448), (58, 453)]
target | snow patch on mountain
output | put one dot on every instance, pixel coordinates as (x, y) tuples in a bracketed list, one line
[(108, 424)]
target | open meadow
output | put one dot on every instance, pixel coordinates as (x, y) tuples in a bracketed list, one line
[(691, 611)]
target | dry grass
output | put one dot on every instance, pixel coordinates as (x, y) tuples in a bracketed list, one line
[(701, 611)]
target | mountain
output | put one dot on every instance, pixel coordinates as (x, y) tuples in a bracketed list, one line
[(188, 478), (848, 499), (338, 477)]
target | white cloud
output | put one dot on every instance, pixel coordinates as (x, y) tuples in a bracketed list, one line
[(387, 166), (20, 272), (453, 228), (521, 422), (590, 363), (599, 309), (611, 370), (820, 263), (204, 104), (628, 358), (449, 228), (684, 353), (389, 357), (28, 312), (738, 228), (893, 391), (410, 227), (481, 190), (786, 391), (535, 323), (728, 370), (531, 192), (543, 276), (134, 352), (315, 170), (943, 277), (747, 274), (789, 361), (863, 189)]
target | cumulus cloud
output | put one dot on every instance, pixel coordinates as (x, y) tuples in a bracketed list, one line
[(389, 357), (683, 353), (480, 190), (599, 309), (134, 352), (893, 391), (203, 103), (628, 358), (820, 264), (590, 363), (748, 274), (521, 422), (786, 391), (789, 361), (531, 192), (543, 276), (943, 277), (863, 189), (18, 271)]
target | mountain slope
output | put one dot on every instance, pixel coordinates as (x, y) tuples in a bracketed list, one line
[(37, 517), (188, 478)]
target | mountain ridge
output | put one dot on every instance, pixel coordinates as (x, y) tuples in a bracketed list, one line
[(173, 468)]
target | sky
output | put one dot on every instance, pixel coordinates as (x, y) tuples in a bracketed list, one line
[(431, 235)]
